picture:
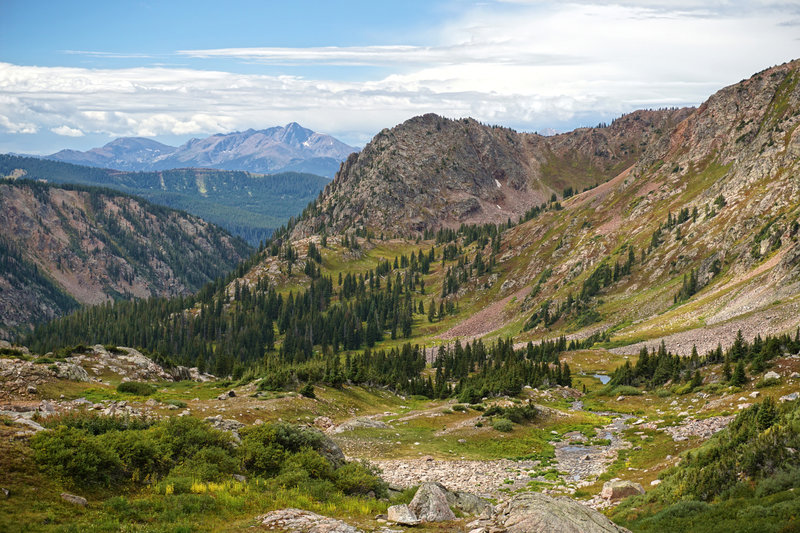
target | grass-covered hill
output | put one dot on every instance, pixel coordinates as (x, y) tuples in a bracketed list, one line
[(249, 205)]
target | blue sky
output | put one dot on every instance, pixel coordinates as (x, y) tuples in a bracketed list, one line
[(78, 74)]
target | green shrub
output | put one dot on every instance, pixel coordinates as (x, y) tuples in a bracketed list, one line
[(502, 424), (763, 382), (312, 462), (177, 403), (76, 457), (182, 437), (136, 387), (208, 464), (308, 391), (96, 424), (359, 478), (142, 456), (460, 408)]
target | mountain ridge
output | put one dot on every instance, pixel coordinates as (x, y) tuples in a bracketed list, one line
[(68, 245), (276, 149), (431, 172)]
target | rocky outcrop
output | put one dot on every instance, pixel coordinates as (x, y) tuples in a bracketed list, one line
[(299, 521), (532, 511)]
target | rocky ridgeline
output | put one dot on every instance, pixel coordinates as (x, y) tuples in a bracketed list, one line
[(431, 171)]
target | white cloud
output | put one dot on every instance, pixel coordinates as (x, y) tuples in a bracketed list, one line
[(528, 64), (67, 131), (16, 127)]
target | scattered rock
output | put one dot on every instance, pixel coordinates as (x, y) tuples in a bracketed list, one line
[(32, 389), (71, 498), (655, 482), (240, 478), (360, 422), (430, 503), (754, 394), (771, 375), (401, 514), (619, 489), (299, 521), (790, 397), (6, 493)]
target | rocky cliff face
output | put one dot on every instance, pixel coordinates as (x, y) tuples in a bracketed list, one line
[(64, 246), (434, 172)]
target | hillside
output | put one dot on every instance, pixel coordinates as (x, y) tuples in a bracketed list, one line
[(64, 246), (248, 205), (432, 172), (291, 148)]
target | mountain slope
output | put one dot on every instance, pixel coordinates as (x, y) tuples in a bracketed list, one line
[(248, 205), (279, 149), (68, 245), (434, 172)]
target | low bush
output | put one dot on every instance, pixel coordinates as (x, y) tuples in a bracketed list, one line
[(502, 424), (136, 387)]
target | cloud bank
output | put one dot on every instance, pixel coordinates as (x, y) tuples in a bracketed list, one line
[(526, 64)]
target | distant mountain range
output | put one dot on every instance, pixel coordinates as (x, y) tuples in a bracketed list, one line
[(292, 148)]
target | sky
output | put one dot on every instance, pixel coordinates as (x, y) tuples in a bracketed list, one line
[(79, 74)]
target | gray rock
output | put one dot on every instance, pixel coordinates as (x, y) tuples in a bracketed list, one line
[(790, 397), (299, 521), (32, 389), (468, 503), (71, 498), (6, 493), (72, 372), (616, 490), (532, 511), (240, 478), (772, 375), (430, 503), (401, 514)]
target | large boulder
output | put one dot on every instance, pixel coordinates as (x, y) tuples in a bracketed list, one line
[(532, 511), (401, 514), (430, 503), (619, 489), (299, 521)]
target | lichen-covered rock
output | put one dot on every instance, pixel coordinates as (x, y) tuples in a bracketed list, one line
[(430, 503), (299, 521), (618, 489), (532, 511)]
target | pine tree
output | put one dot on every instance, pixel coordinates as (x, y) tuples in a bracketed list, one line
[(739, 377)]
